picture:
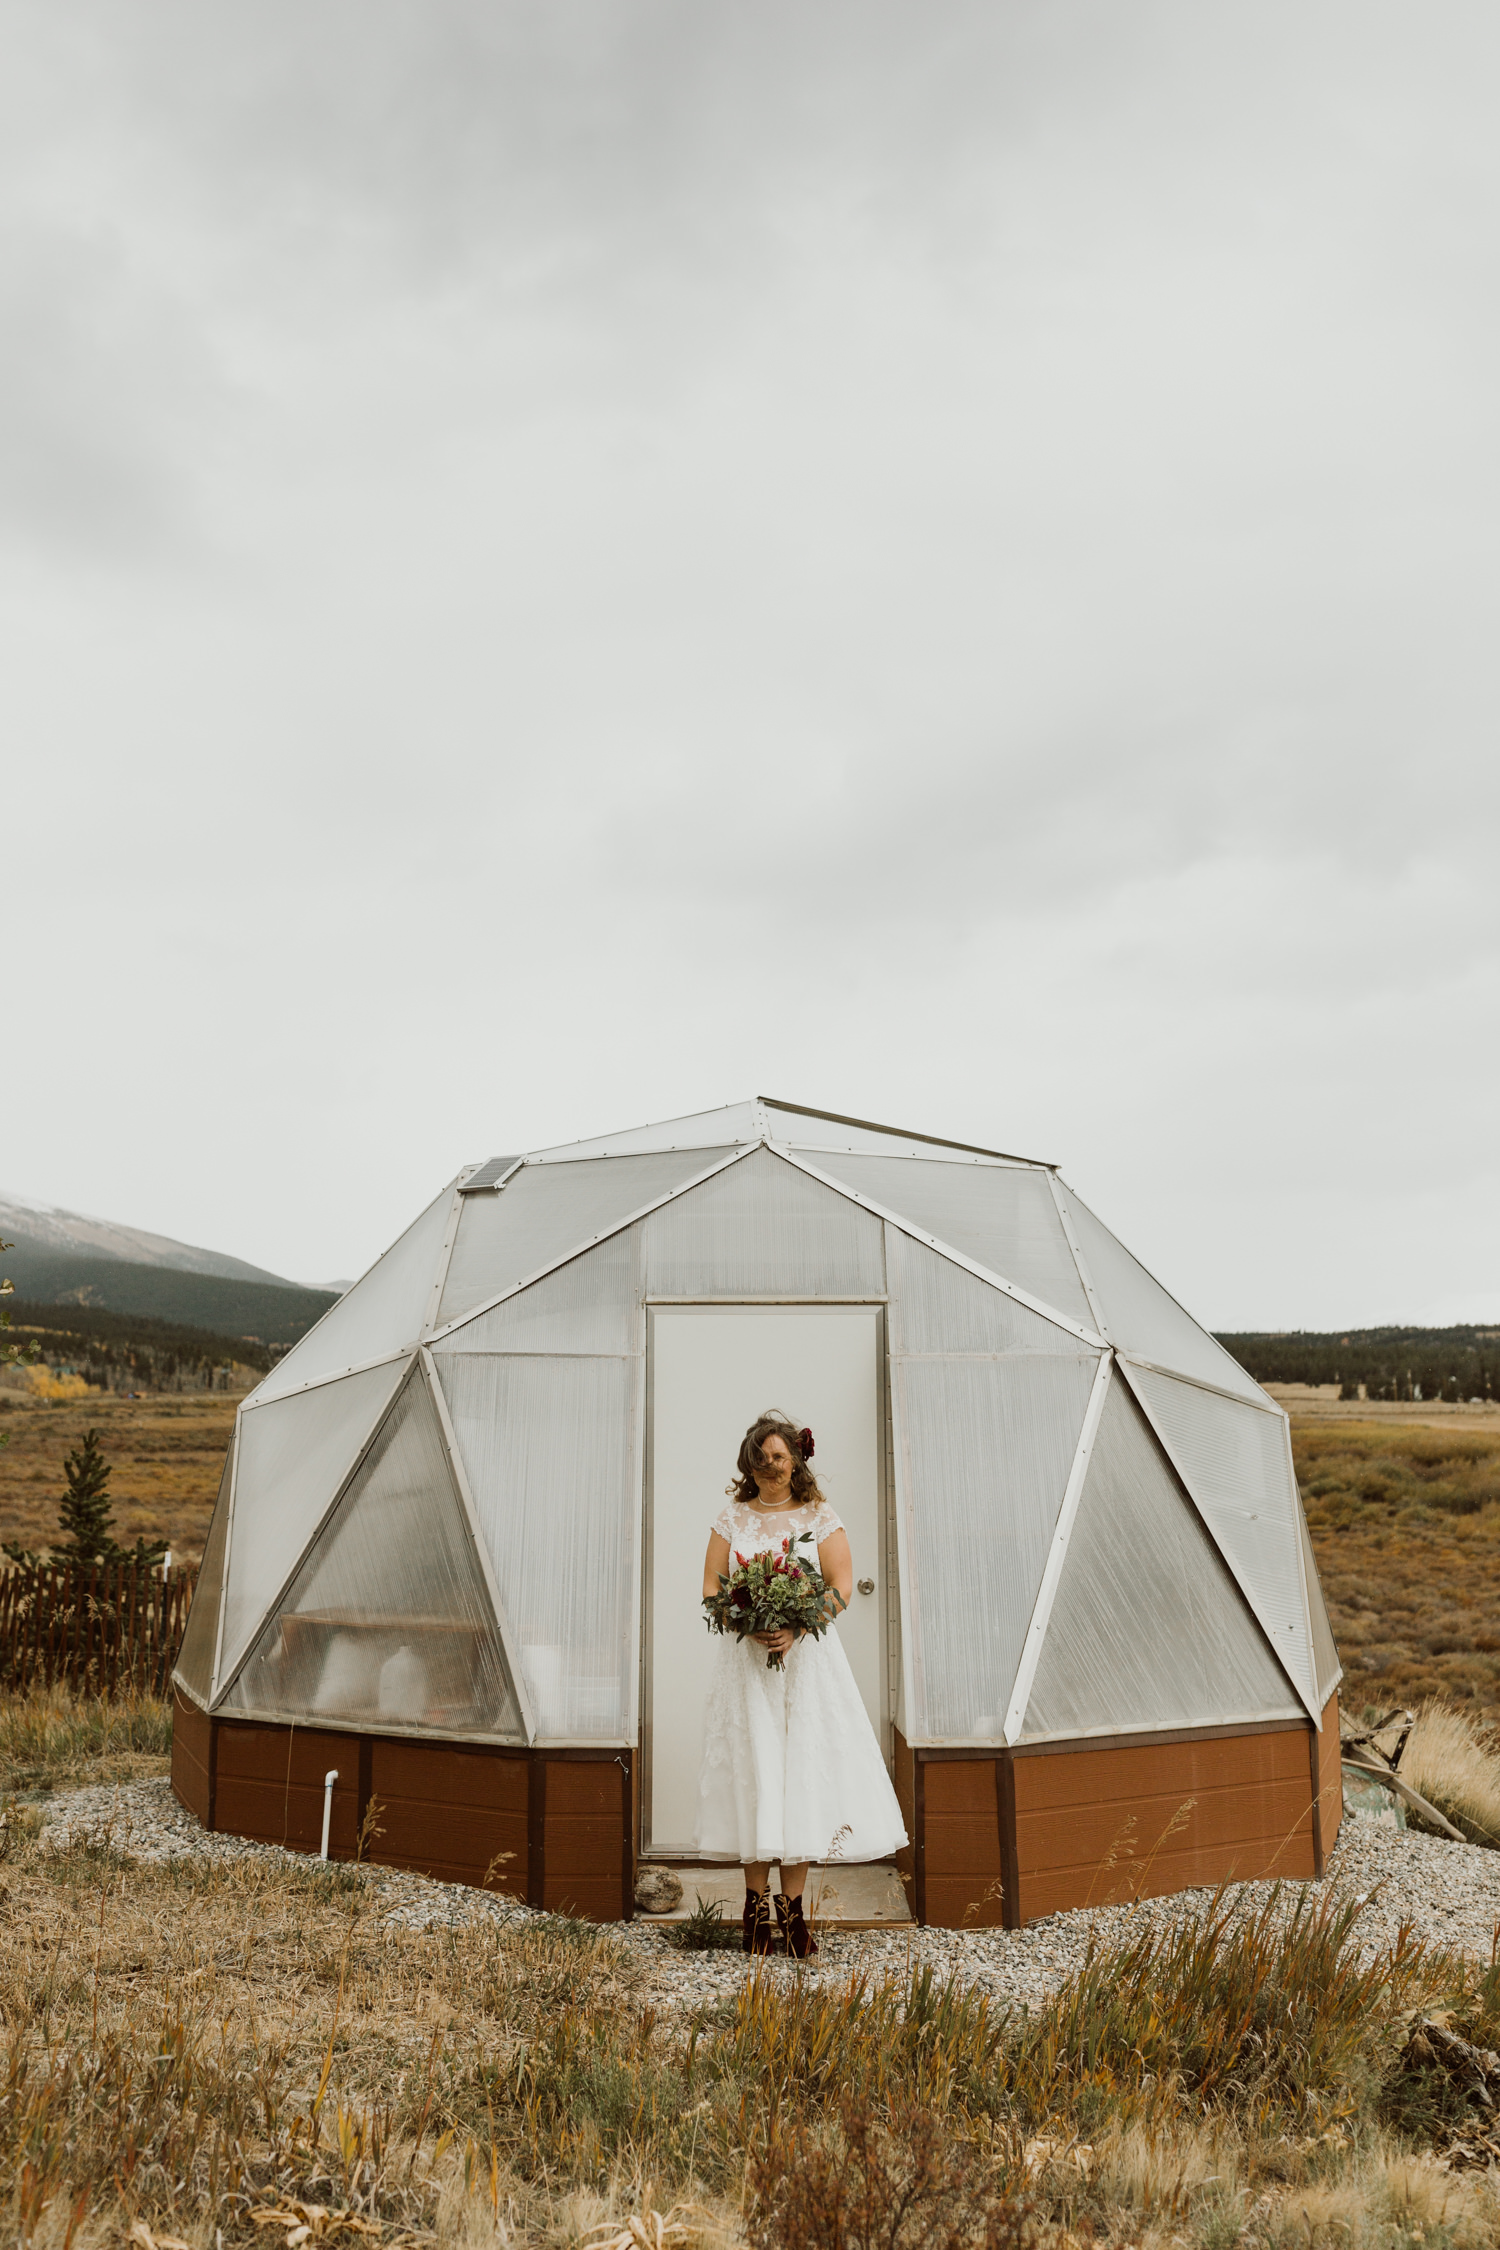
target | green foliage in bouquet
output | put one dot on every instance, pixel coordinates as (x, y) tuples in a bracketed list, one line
[(774, 1591)]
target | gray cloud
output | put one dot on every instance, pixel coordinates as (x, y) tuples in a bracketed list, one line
[(562, 561)]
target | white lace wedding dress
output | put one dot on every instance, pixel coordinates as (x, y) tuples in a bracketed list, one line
[(791, 1768)]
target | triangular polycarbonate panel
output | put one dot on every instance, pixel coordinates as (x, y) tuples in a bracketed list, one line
[(985, 1448), (705, 1129), (763, 1228), (937, 1306), (195, 1659), (1326, 1659), (1147, 1629), (1002, 1217), (549, 1209), (1143, 1319), (389, 1622), (384, 1311), (592, 1304), (764, 1116), (1233, 1460), (549, 1455), (293, 1455)]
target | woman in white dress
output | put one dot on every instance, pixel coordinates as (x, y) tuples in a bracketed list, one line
[(791, 1771)]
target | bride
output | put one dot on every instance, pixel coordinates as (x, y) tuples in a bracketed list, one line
[(791, 1770)]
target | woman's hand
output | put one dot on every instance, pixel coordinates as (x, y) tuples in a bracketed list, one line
[(779, 1641)]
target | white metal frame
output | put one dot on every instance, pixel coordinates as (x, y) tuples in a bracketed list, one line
[(958, 1159), (254, 1399), (1138, 1392), (1057, 1553), (222, 1686), (641, 1466), (944, 1249), (254, 1403), (1064, 1192), (754, 1115), (1261, 1405), (900, 1470), (605, 1234), (445, 1255), (234, 1478), (1070, 1235), (1304, 1548), (640, 1731), (477, 1541)]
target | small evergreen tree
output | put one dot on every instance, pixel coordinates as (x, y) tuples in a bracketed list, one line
[(85, 1513), (87, 1516)]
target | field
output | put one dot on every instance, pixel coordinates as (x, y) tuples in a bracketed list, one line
[(1405, 1521), (1403, 1503), (167, 1452)]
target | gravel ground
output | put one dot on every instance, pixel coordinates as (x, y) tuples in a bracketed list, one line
[(1449, 1892)]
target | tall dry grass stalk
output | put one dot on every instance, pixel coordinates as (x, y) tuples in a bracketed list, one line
[(1451, 1759)]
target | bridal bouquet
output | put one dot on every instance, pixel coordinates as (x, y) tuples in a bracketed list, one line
[(774, 1590)]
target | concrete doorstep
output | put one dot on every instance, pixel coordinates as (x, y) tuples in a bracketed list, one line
[(841, 1898)]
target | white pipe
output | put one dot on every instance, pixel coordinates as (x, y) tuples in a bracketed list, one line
[(328, 1781)]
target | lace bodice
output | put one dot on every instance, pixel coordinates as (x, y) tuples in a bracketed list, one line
[(749, 1530)]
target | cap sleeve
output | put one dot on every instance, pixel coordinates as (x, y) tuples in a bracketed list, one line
[(825, 1523), (723, 1522)]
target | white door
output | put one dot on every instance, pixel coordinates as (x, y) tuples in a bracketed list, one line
[(712, 1371)]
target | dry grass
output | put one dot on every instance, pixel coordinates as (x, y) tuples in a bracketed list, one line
[(1452, 1760), (167, 1453), (54, 1739), (192, 2050), (1405, 1523)]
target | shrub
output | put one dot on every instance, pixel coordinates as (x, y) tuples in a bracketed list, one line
[(1270, 2009), (865, 2182)]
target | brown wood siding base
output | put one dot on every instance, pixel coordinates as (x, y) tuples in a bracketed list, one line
[(1008, 1837), (905, 1779), (549, 1826), (1328, 1779), (997, 1838), (192, 1754)]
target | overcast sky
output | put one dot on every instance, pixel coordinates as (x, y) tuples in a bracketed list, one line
[(567, 561)]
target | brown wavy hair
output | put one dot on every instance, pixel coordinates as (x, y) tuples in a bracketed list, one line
[(773, 1424)]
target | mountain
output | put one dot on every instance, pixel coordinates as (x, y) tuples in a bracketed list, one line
[(47, 1227), (60, 1257)]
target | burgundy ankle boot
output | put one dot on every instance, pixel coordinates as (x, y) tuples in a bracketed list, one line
[(758, 1932), (799, 1940)]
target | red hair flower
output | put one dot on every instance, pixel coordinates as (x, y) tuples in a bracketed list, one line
[(805, 1440)]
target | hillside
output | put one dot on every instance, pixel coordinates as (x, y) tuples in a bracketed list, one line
[(130, 1352), (60, 1257), (268, 1312), (1378, 1363)]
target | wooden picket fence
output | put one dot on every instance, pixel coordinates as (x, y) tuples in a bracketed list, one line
[(102, 1628)]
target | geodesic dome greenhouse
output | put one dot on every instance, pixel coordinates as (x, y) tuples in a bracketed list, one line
[(455, 1553)]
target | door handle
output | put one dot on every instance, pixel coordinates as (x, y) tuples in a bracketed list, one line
[(867, 1585)]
